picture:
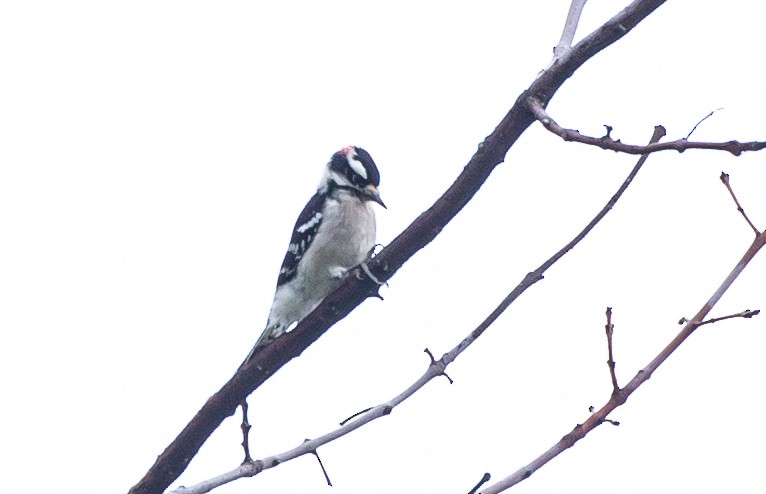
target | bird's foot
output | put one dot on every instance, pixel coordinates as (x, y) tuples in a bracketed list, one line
[(366, 269), (338, 272)]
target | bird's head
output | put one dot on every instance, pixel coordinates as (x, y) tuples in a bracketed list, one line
[(352, 168)]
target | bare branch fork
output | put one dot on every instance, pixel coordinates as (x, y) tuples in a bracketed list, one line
[(620, 395), (736, 148), (435, 368), (570, 28), (176, 457)]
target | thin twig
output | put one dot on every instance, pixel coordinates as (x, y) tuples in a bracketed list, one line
[(245, 426), (484, 479), (610, 362), (321, 465), (698, 123), (734, 147), (747, 314), (725, 180)]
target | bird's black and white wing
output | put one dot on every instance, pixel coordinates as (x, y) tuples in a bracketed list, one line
[(304, 233)]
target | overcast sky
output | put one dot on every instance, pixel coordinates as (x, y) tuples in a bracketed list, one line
[(154, 157)]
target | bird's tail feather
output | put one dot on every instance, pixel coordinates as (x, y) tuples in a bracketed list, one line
[(266, 337)]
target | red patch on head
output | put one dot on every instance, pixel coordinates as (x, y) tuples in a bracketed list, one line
[(346, 150)]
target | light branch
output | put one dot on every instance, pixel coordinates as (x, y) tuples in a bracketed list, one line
[(701, 120), (570, 28), (736, 148)]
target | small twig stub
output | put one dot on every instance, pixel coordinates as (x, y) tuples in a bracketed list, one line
[(611, 363), (725, 179)]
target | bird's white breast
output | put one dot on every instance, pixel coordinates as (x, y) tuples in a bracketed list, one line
[(344, 239)]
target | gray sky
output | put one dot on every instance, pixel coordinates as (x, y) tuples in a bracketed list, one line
[(154, 157)]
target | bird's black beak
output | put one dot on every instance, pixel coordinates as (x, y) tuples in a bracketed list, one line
[(372, 193)]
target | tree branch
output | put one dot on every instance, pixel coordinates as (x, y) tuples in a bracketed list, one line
[(606, 142), (176, 457), (620, 396), (611, 363), (725, 180), (570, 28), (700, 122), (745, 314)]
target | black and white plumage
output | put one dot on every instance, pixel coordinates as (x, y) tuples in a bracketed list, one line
[(334, 233)]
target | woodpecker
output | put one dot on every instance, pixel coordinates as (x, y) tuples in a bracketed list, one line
[(334, 233)]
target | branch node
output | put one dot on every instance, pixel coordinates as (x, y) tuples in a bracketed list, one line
[(435, 363), (527, 473)]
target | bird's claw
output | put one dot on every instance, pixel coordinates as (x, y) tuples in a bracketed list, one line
[(366, 270)]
